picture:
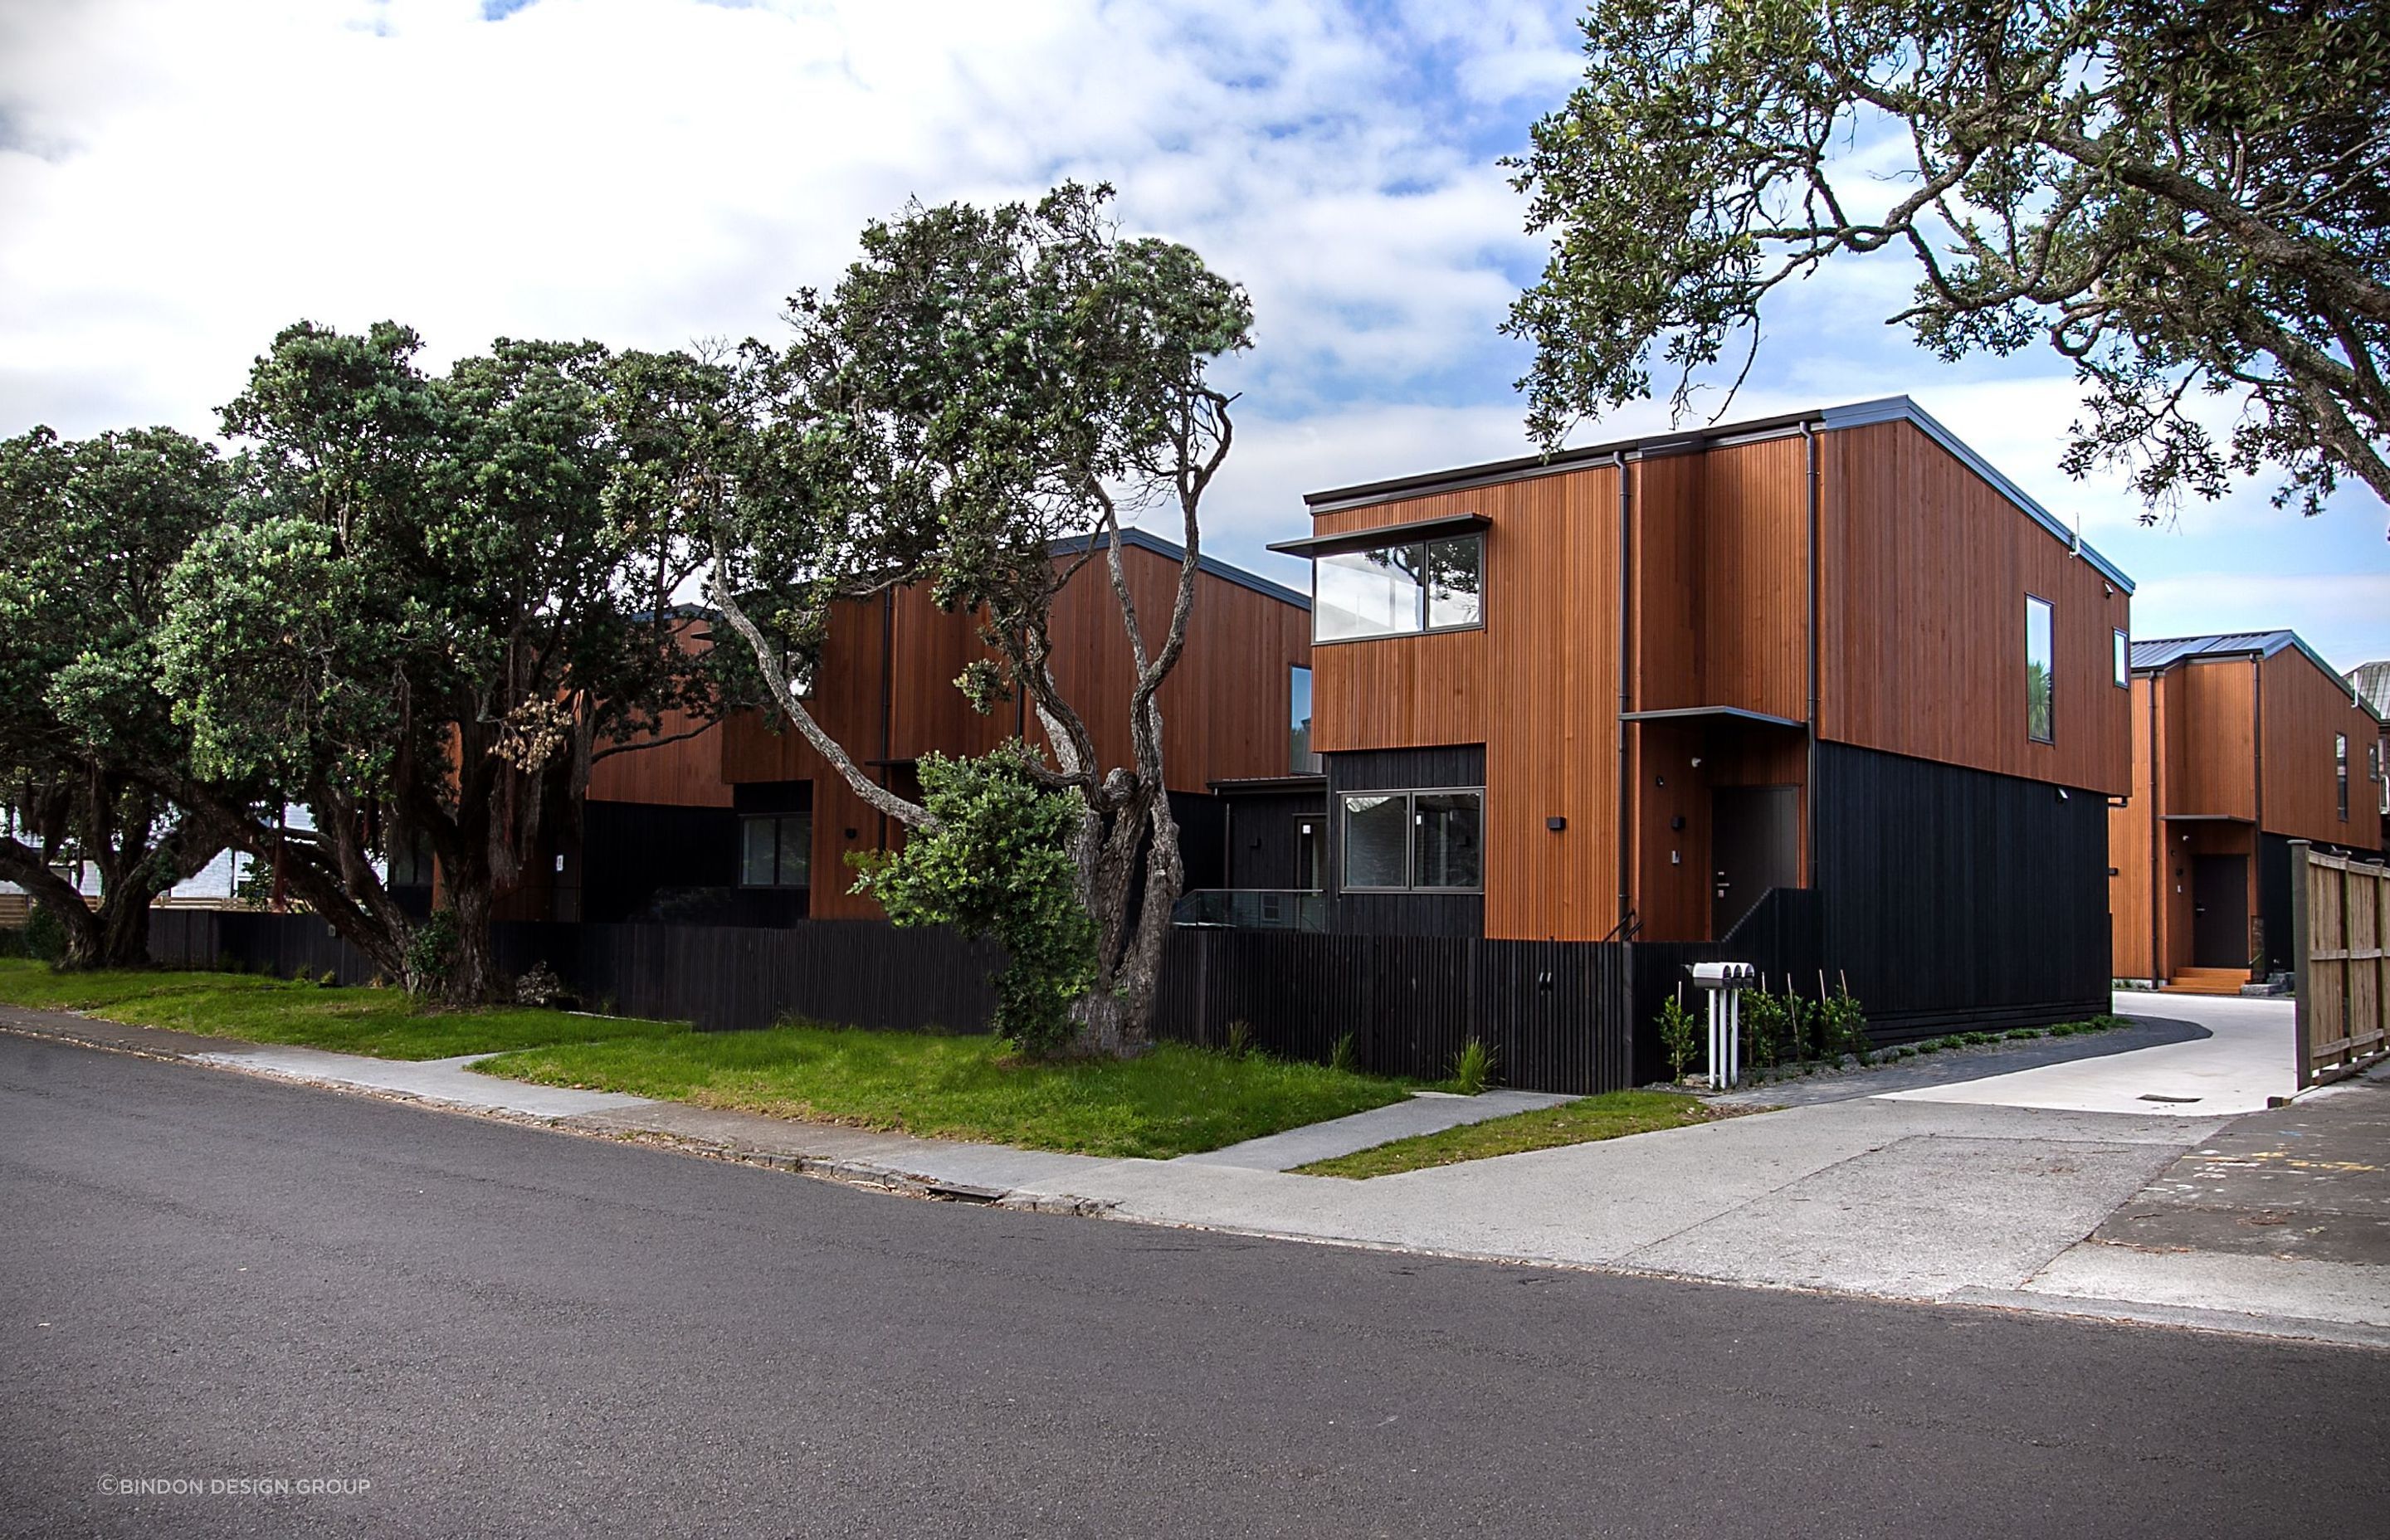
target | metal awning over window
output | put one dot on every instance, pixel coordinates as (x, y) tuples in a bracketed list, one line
[(1384, 534)]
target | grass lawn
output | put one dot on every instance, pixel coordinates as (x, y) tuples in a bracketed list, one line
[(1174, 1101), (1610, 1115), (258, 1009)]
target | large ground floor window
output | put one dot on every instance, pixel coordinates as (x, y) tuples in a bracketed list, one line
[(1414, 841)]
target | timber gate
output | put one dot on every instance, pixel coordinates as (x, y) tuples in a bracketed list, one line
[(2339, 916)]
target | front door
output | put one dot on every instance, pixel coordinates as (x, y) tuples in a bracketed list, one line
[(1755, 845), (2219, 911)]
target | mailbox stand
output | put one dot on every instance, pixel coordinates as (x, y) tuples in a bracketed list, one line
[(1724, 983)]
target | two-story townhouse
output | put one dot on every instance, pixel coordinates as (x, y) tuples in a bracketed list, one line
[(2241, 743), (1647, 689), (745, 824)]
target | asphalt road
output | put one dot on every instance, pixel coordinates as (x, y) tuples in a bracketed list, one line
[(206, 1278)]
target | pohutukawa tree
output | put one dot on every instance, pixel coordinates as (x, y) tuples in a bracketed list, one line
[(978, 406), (89, 532), (436, 603), (2186, 198)]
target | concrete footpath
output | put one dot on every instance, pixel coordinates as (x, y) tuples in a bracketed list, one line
[(1988, 1191)]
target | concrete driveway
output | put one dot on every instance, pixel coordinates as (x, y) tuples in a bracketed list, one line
[(2247, 1059)]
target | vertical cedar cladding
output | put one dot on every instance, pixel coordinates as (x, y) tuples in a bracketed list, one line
[(2132, 838), (2211, 768), (1537, 685), (1224, 710), (1722, 579), (1924, 567), (2304, 710)]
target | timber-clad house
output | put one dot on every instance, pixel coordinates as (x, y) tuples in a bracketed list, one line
[(743, 825), (1828, 683), (2243, 742)]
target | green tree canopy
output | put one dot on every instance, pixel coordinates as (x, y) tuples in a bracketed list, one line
[(2184, 198), (982, 385), (437, 601), (89, 532)]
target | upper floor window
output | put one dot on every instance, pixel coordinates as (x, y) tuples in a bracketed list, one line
[(1301, 759), (2340, 768), (2037, 702), (776, 850), (1414, 841), (1399, 590), (2123, 661)]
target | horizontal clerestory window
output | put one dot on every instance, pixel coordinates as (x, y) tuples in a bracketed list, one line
[(1399, 590)]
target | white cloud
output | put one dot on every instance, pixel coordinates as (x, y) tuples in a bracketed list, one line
[(179, 181)]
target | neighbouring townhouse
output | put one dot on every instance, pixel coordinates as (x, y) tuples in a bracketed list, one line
[(1828, 686), (741, 824), (2241, 743)]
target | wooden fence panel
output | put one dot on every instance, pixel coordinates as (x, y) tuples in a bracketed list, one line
[(2340, 917)]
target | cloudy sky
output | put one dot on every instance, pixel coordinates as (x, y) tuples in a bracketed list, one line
[(179, 180)]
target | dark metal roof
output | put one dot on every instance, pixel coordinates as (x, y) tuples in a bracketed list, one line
[(2159, 653), (1133, 536), (1854, 414), (1253, 785), (2163, 653), (1384, 534)]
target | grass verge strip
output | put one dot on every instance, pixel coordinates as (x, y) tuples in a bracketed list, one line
[(1611, 1115), (380, 1022), (1175, 1100)]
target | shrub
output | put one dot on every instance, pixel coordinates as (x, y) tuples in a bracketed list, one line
[(540, 986), (432, 951), (999, 864), (1345, 1056), (1240, 1043), (1681, 1033), (1841, 1026), (1472, 1068), (44, 935), (1764, 1024)]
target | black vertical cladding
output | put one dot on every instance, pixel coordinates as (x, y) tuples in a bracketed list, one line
[(1202, 839), (1953, 894), (1417, 914), (630, 851), (1260, 842)]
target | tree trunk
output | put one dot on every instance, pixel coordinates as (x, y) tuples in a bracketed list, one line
[(472, 968), (57, 897)]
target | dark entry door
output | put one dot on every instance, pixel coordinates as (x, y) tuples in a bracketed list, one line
[(2219, 911), (1755, 845)]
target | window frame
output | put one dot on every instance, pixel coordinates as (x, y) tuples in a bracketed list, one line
[(1410, 795), (775, 820), (2124, 660), (2050, 670), (2340, 771), (1309, 721), (1420, 591)]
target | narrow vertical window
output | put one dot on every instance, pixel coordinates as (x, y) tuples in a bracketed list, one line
[(2037, 703), (1301, 759), (2340, 768), (2124, 663)]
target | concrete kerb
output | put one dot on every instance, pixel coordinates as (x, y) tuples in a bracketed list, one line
[(1339, 1214)]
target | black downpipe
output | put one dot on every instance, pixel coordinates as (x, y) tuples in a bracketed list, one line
[(1809, 788), (1625, 692)]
